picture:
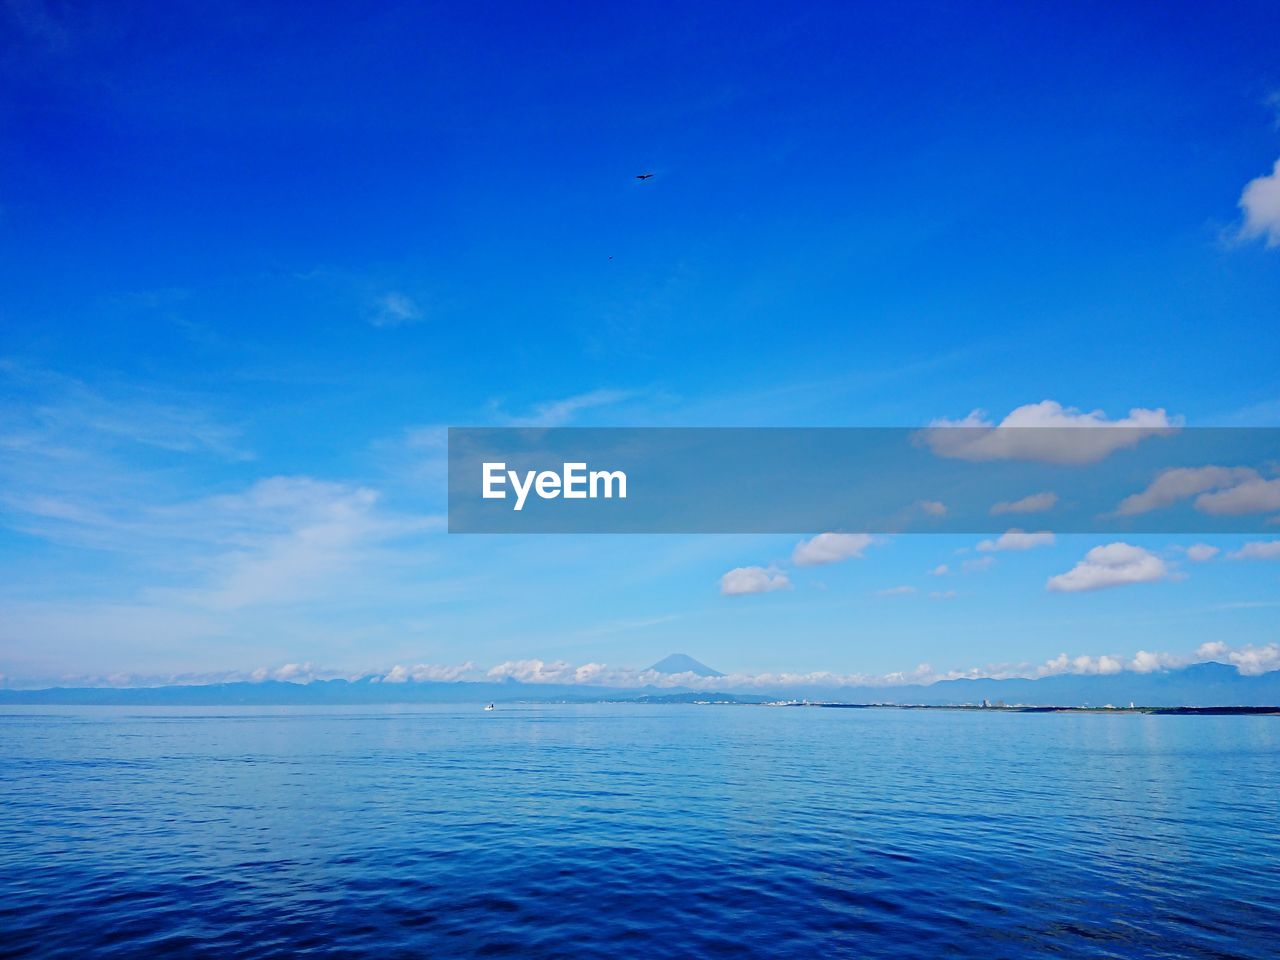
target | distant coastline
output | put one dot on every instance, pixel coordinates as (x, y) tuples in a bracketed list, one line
[(1201, 689), (1156, 711)]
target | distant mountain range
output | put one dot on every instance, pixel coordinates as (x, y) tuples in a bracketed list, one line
[(1201, 685)]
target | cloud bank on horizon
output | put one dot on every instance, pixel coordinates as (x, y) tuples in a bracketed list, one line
[(1249, 660)]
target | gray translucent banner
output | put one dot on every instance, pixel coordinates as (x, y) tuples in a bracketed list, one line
[(866, 480)]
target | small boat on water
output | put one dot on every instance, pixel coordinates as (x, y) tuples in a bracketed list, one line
[(490, 707)]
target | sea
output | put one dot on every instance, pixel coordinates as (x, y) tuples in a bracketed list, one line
[(636, 831)]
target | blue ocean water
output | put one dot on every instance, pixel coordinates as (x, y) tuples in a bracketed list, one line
[(636, 831)]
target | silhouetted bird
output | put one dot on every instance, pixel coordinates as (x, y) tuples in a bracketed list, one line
[(643, 176)]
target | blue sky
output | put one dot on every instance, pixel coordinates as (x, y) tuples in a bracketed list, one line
[(252, 264)]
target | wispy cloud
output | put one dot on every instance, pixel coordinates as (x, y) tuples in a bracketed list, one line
[(1180, 483), (82, 465), (1258, 550), (57, 417), (394, 309), (557, 413), (902, 591), (287, 538), (1034, 503), (1017, 540)]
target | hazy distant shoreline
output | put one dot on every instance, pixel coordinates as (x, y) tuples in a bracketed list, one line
[(1203, 686), (1223, 711)]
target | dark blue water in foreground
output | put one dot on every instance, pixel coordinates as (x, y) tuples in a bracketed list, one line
[(637, 831)]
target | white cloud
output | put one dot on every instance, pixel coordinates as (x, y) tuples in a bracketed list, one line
[(289, 672), (934, 508), (1035, 503), (1018, 540), (1258, 550), (555, 413), (744, 580), (902, 591), (429, 672), (534, 671), (1249, 660), (289, 538), (943, 595), (830, 548), (1010, 440), (1113, 565), (977, 564), (1179, 483), (1082, 665), (1144, 661), (941, 570), (1252, 496), (394, 309), (1200, 552), (1260, 203)]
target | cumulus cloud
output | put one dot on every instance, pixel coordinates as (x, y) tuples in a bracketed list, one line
[(289, 672), (1082, 665), (1034, 503), (394, 309), (1260, 204), (1113, 565), (934, 508), (1057, 434), (1249, 660), (830, 548), (941, 570), (744, 580), (1179, 483), (534, 671), (1145, 661), (596, 674), (428, 672), (1018, 540), (1258, 550)]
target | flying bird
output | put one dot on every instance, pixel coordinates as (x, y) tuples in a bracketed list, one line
[(643, 176)]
